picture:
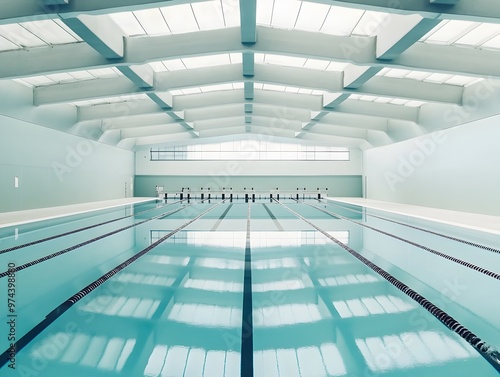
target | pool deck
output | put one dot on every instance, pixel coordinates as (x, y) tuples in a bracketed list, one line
[(483, 223), (39, 214)]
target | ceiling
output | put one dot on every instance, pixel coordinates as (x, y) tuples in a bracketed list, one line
[(350, 73)]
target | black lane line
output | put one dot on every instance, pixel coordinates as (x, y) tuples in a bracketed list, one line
[(57, 312), (271, 215), (247, 319), (214, 228), (78, 230), (418, 228), (87, 242), (487, 351), (461, 262)]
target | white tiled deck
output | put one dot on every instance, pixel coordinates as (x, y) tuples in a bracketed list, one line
[(22, 217), (484, 223)]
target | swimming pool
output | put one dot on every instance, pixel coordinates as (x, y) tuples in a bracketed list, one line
[(235, 288)]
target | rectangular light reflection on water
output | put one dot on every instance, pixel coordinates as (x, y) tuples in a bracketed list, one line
[(122, 306), (206, 315), (288, 314), (347, 280), (317, 361), (414, 349), (184, 361), (360, 307), (214, 285), (100, 352)]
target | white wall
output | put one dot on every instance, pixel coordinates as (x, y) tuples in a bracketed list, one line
[(55, 168), (456, 169)]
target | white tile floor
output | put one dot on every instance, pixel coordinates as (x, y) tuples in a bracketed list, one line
[(484, 223), (22, 217)]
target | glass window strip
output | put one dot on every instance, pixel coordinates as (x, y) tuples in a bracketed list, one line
[(249, 150)]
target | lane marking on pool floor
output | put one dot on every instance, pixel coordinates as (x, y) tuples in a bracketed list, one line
[(87, 242), (57, 312), (488, 352), (271, 215), (461, 262), (79, 230), (216, 225), (246, 369), (484, 247)]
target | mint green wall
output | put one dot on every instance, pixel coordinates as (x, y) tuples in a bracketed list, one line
[(456, 169), (55, 168), (340, 185)]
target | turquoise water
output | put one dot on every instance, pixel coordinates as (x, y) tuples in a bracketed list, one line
[(316, 310)]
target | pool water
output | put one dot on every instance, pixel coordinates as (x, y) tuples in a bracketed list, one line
[(247, 289)]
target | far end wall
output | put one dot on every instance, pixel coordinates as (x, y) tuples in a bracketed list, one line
[(342, 178)]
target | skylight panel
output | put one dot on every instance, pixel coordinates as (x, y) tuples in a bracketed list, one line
[(399, 101), (208, 14), (60, 77), (438, 77), (206, 61), (418, 75), (414, 103), (354, 96), (49, 31), (158, 67), (368, 98), (383, 100), (341, 21), (397, 73), (264, 11), (305, 91), (68, 30), (285, 13), (176, 92), (180, 18), (238, 85), (258, 85), (479, 35), (102, 101), (290, 61), (6, 45), (236, 58), (278, 88), (128, 23), (492, 43), (318, 92), (22, 82), (291, 89), (82, 75), (152, 21), (370, 24), (191, 91), (450, 31), (461, 80), (39, 80), (311, 16), (105, 72), (174, 64), (337, 66), (214, 88), (231, 11), (20, 36), (316, 64)]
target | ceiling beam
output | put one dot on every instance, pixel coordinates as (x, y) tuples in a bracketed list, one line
[(99, 32), (248, 21), (421, 56), (400, 32), (264, 73)]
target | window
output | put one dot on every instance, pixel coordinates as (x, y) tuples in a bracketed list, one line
[(249, 150)]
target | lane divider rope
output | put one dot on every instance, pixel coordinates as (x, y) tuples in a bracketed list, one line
[(488, 248), (57, 312), (487, 351)]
